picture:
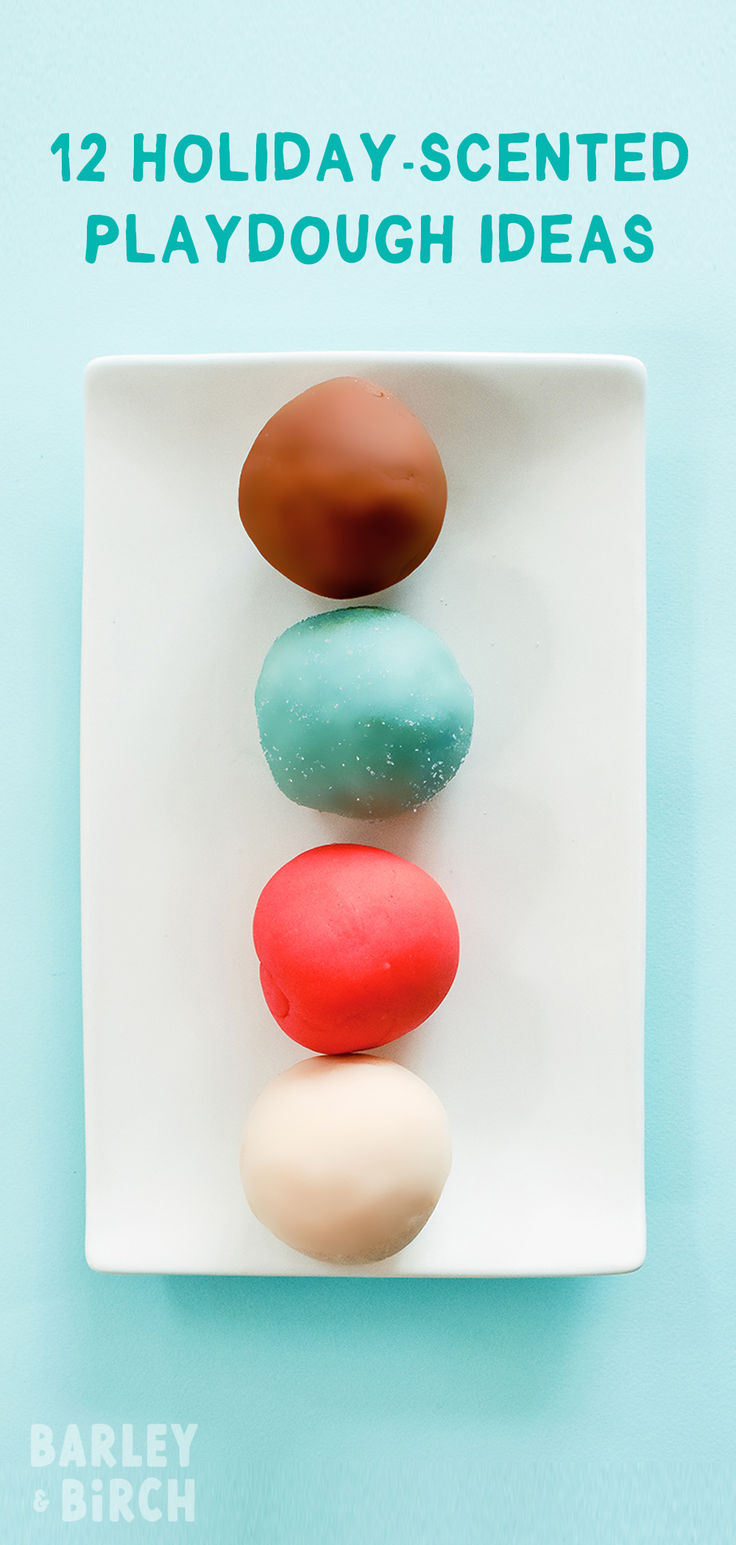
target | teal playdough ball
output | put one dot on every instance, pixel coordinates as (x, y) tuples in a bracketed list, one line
[(362, 712)]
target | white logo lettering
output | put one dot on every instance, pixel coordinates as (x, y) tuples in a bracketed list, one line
[(151, 1514), (42, 1445), (184, 1441), (177, 1500), (72, 1449), (73, 1505)]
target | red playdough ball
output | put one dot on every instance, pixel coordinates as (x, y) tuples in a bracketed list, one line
[(356, 946)]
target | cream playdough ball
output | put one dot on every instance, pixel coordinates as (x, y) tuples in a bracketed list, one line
[(345, 1158)]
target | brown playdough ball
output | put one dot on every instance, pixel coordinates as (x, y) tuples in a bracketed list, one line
[(343, 491)]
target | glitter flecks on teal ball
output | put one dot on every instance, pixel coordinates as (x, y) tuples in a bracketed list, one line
[(363, 712)]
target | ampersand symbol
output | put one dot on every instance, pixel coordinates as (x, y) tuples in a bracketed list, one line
[(40, 1501)]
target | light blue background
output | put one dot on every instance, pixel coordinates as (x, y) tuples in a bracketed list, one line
[(380, 1411)]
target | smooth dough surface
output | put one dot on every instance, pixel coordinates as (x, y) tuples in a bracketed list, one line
[(343, 490), (356, 945), (362, 711), (345, 1158)]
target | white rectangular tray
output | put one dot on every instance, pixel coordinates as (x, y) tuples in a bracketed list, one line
[(537, 584)]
